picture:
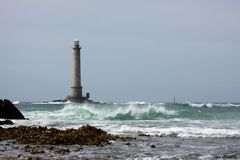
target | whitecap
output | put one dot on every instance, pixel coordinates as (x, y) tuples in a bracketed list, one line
[(16, 102), (211, 104), (177, 131), (136, 103)]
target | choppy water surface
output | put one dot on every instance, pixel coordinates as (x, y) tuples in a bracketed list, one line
[(177, 130)]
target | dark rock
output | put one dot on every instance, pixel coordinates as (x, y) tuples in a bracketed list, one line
[(127, 143), (15, 147), (62, 151), (9, 111), (33, 149), (230, 156), (144, 135), (34, 158), (6, 122), (153, 146), (227, 156), (51, 148), (59, 100), (86, 135)]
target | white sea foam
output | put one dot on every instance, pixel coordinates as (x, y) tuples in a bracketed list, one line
[(211, 104), (178, 131), (200, 132), (136, 102), (67, 102), (199, 104), (105, 111), (40, 102), (16, 102), (227, 105)]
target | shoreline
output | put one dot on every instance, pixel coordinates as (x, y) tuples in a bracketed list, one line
[(30, 142), (148, 147)]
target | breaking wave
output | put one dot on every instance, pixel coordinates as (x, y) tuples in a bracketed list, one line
[(16, 102), (67, 102), (157, 119), (134, 110), (131, 111), (211, 104), (179, 131)]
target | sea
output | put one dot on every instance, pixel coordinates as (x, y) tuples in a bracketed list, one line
[(160, 130)]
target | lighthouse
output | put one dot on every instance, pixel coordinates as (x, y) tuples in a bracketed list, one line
[(76, 88)]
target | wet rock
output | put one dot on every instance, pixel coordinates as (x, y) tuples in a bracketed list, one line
[(86, 135), (126, 138), (140, 133), (6, 122), (144, 135), (34, 158), (230, 156), (15, 147), (171, 135), (9, 111), (33, 150), (26, 148), (51, 148), (62, 151), (79, 148), (127, 143), (153, 146), (161, 135), (227, 156), (59, 100)]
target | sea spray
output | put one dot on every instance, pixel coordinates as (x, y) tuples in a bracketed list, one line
[(160, 119)]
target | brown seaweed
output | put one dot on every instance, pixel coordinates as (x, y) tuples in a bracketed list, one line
[(86, 135)]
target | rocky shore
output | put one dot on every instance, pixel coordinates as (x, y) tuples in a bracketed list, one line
[(141, 147), (34, 142), (86, 135), (37, 143)]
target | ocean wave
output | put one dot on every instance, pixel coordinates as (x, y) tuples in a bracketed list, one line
[(184, 132), (136, 103), (136, 111), (16, 102), (227, 105), (210, 105), (115, 112), (67, 102), (199, 132)]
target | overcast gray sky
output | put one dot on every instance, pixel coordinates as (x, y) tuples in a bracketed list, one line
[(132, 50)]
